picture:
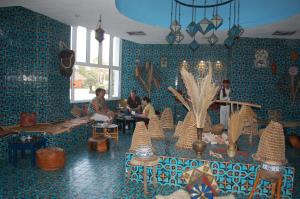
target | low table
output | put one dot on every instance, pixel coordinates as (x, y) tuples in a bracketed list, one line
[(149, 162), (108, 130), (124, 120), (17, 143)]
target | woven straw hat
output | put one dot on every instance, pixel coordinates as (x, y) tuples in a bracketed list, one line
[(167, 119), (140, 137), (178, 129), (271, 148), (154, 128), (189, 133)]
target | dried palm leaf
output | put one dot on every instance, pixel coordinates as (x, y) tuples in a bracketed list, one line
[(179, 97), (201, 93), (235, 127)]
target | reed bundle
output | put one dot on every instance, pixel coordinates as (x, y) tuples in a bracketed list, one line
[(179, 97), (235, 127), (201, 93)]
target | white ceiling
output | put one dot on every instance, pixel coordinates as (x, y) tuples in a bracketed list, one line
[(86, 13)]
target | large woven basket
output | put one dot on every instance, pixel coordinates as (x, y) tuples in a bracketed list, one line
[(50, 159), (166, 119), (271, 148), (178, 130), (140, 137), (189, 132), (248, 121), (154, 128)]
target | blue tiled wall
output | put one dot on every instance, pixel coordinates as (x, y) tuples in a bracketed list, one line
[(248, 83), (30, 78)]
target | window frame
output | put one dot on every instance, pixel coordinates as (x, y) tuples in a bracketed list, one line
[(73, 45)]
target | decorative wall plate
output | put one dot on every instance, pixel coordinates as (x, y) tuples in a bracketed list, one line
[(261, 58)]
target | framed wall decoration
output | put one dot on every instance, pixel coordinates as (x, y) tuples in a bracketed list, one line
[(261, 58), (163, 62)]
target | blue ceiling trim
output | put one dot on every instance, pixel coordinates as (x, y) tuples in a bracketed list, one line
[(253, 12)]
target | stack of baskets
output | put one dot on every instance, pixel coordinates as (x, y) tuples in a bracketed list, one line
[(154, 128), (271, 148), (178, 130), (186, 139), (249, 121), (166, 119), (140, 137)]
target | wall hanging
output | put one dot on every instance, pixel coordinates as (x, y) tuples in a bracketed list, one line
[(67, 60), (261, 58)]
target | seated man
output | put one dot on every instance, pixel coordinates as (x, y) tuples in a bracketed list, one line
[(148, 108), (134, 102), (98, 109)]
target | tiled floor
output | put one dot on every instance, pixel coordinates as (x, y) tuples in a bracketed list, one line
[(86, 175)]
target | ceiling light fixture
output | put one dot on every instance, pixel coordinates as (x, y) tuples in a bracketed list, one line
[(205, 25)]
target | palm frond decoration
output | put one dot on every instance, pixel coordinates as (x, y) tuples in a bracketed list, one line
[(235, 127), (179, 97), (201, 93)]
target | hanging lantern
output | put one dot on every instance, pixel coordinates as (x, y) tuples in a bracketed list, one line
[(205, 26), (179, 37), (212, 39), (229, 42), (171, 37), (192, 29), (175, 26), (99, 32), (194, 45), (217, 21)]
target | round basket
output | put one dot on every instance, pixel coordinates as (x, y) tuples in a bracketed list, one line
[(217, 129), (50, 159)]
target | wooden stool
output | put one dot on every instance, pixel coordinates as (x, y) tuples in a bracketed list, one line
[(98, 143), (151, 162), (274, 177), (50, 159), (110, 131)]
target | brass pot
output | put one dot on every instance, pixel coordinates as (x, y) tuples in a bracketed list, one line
[(199, 146), (231, 150)]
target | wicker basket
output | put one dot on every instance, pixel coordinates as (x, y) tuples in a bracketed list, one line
[(189, 132), (217, 129), (140, 137), (178, 129), (50, 159), (271, 148), (166, 119), (154, 128)]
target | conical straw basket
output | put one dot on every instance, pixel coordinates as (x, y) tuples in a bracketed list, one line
[(140, 137), (189, 133), (248, 120), (178, 129), (167, 119), (271, 148), (154, 128)]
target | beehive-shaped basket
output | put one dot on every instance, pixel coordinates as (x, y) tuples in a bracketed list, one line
[(189, 132), (167, 119), (271, 148), (207, 124), (154, 128), (178, 129), (248, 120), (140, 137)]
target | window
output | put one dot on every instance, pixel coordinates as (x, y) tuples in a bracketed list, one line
[(97, 65)]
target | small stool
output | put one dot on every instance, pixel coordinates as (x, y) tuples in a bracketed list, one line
[(274, 177), (151, 162), (98, 143), (50, 159)]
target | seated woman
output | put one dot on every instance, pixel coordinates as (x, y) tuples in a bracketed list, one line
[(148, 108), (98, 109)]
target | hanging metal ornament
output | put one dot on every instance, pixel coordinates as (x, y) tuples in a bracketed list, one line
[(212, 39), (194, 45), (171, 37), (216, 20), (205, 25), (192, 28), (99, 32), (241, 29), (179, 37), (175, 26), (236, 30), (229, 42)]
